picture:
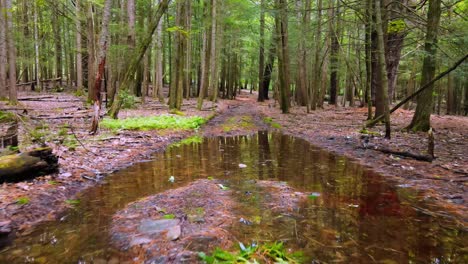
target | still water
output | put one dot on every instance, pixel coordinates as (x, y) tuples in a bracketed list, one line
[(356, 216)]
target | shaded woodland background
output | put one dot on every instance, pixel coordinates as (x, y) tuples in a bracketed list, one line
[(348, 53)]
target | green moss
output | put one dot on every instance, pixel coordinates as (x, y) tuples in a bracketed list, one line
[(238, 122), (169, 216), (396, 26), (367, 132), (22, 200), (176, 112), (6, 117), (154, 123)]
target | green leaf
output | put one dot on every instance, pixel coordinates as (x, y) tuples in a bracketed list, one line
[(169, 216), (22, 200)]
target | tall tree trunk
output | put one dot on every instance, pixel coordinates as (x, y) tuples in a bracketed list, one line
[(368, 48), (188, 51), (36, 48), (206, 51), (267, 72), (131, 13), (394, 38), (382, 68), (3, 53), (422, 117), (283, 55), (79, 54), (103, 43), (158, 65), (58, 45), (334, 53), (261, 56), (91, 43), (178, 60), (315, 88), (213, 57), (11, 54), (301, 85)]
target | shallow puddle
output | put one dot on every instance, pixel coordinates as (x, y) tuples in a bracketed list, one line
[(352, 215)]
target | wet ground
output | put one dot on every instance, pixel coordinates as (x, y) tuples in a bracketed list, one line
[(352, 215)]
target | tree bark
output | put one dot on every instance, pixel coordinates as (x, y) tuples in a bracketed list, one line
[(421, 119), (334, 53), (315, 88), (11, 54), (103, 43), (382, 72), (283, 55), (79, 54), (3, 54), (261, 56), (27, 165)]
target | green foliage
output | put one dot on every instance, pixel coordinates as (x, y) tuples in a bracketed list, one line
[(72, 202), (128, 100), (274, 252), (169, 216), (79, 93), (71, 143), (22, 200), (154, 123), (39, 134), (13, 148), (6, 117), (396, 26)]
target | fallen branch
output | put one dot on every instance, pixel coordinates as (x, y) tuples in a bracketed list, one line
[(424, 87), (407, 154)]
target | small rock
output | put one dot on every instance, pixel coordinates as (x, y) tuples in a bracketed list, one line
[(173, 233), (65, 175), (5, 227), (245, 221), (139, 241), (242, 166), (150, 227)]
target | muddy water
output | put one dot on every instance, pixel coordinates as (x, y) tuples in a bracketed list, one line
[(354, 216)]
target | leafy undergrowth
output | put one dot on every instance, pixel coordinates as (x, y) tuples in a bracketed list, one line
[(268, 253), (154, 123), (6, 117)]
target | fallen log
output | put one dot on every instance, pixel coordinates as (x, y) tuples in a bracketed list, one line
[(407, 154), (27, 165)]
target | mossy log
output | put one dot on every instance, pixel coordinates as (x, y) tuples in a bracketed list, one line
[(27, 165)]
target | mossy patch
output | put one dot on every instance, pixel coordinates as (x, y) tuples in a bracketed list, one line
[(238, 122), (6, 117), (368, 132), (154, 123)]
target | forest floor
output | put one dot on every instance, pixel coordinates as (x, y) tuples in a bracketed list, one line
[(87, 159), (441, 183)]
